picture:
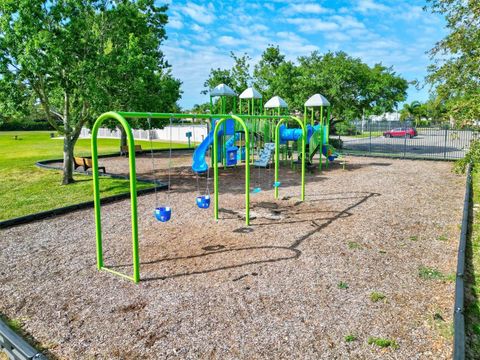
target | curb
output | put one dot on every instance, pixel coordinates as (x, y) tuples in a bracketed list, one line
[(394, 156), (71, 208), (458, 311), (15, 346), (88, 204)]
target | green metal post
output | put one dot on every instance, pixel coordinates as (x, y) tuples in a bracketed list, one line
[(328, 125), (133, 194), (313, 114), (327, 135), (277, 146), (247, 168), (321, 142)]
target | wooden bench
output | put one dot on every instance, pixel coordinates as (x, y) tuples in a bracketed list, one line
[(124, 149), (86, 163)]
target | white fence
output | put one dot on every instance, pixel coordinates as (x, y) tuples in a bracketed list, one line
[(178, 133)]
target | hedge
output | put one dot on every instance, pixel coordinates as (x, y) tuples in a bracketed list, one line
[(16, 125)]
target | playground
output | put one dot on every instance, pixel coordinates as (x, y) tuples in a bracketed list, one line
[(262, 241), (295, 283)]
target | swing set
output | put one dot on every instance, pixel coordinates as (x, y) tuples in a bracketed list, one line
[(163, 213)]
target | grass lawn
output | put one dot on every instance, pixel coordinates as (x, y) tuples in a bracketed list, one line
[(26, 189), (472, 286), (367, 134)]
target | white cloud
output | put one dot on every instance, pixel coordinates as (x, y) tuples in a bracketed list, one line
[(307, 8), (365, 6), (202, 34), (228, 40), (347, 21), (175, 24), (197, 28), (338, 36), (268, 6), (308, 25), (199, 13)]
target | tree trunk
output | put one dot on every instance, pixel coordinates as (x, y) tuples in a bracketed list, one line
[(123, 138), (68, 145)]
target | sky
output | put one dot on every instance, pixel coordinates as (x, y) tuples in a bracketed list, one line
[(201, 35)]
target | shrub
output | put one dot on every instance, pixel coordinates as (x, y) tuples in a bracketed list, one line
[(345, 128), (472, 156), (25, 125), (336, 143)]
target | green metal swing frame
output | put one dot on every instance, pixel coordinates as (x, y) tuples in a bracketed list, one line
[(121, 118)]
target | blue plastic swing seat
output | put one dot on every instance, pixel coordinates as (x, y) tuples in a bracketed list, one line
[(277, 184), (256, 190), (203, 202), (163, 213)]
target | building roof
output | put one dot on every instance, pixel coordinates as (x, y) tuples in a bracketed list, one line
[(222, 90), (317, 100), (250, 93)]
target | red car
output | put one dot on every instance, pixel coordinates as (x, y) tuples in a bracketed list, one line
[(401, 132)]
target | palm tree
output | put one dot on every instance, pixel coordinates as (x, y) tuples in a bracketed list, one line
[(410, 111)]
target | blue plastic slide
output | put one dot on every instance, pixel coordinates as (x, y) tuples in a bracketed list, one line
[(199, 164)]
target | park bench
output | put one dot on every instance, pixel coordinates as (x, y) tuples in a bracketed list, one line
[(86, 163), (124, 149)]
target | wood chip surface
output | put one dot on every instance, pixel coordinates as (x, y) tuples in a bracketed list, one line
[(221, 290)]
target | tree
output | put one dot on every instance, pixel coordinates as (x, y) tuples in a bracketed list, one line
[(238, 77), (273, 75), (79, 58), (411, 111), (352, 87), (455, 73)]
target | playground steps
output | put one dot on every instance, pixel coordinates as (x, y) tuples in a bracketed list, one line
[(315, 144), (265, 155)]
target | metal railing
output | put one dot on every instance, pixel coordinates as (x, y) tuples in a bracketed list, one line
[(15, 346), (428, 143)]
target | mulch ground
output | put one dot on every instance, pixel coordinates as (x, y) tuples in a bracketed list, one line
[(292, 285)]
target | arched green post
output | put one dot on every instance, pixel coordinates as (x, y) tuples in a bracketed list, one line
[(327, 136), (277, 148), (133, 195), (247, 167)]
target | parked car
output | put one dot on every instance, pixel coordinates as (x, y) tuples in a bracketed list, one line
[(409, 132)]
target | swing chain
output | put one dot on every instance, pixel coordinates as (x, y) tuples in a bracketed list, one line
[(152, 157)]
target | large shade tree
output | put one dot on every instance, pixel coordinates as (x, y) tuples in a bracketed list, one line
[(79, 58), (455, 73), (353, 87)]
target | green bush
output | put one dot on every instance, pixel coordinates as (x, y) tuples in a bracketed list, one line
[(345, 128), (26, 125), (336, 143), (472, 156)]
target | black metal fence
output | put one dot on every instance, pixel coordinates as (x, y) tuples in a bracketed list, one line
[(395, 139)]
